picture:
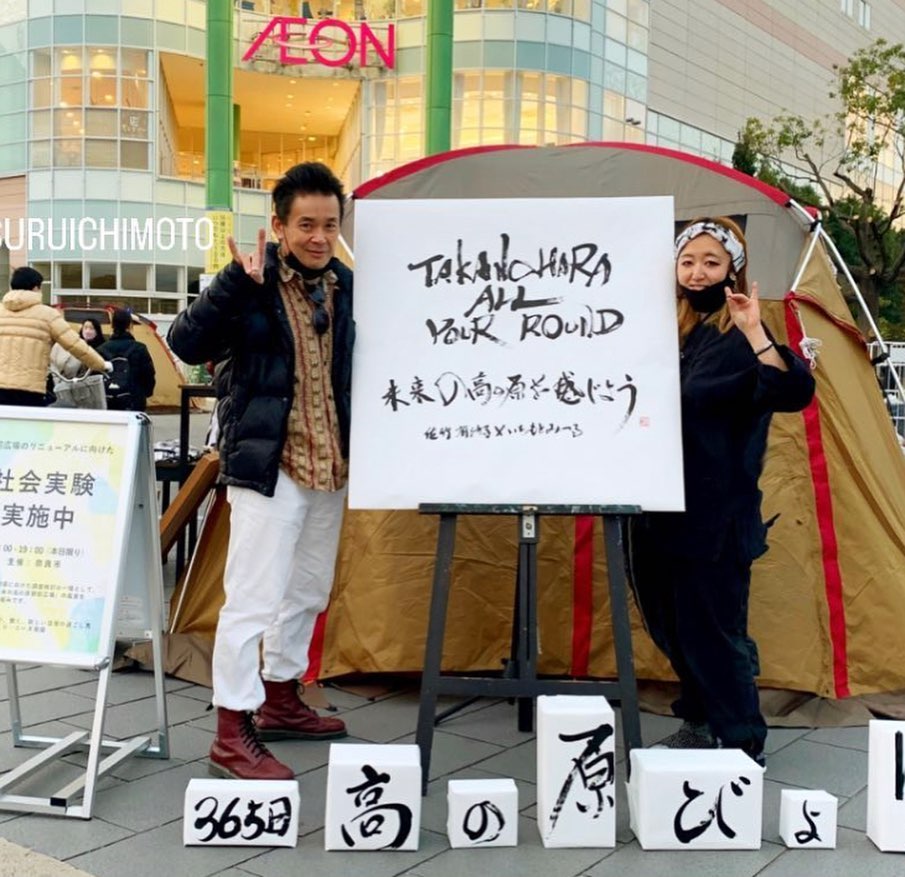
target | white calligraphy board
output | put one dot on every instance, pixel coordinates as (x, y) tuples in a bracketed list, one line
[(482, 813), (373, 797), (886, 784), (576, 771), (695, 799), (807, 819), (254, 813), (79, 544), (519, 351)]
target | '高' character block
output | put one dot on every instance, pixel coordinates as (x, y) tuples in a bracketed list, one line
[(373, 797)]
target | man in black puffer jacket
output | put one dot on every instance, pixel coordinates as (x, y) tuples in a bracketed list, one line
[(282, 316)]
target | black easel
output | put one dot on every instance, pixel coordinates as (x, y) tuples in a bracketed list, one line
[(519, 679)]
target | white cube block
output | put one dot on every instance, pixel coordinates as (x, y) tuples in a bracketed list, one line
[(576, 771), (886, 785), (695, 799), (373, 797), (254, 813), (482, 813), (807, 818)]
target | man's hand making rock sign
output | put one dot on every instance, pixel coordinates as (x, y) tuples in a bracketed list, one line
[(252, 263)]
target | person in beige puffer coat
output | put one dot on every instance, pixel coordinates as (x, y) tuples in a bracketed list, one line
[(28, 330)]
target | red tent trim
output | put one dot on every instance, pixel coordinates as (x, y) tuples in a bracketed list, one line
[(420, 164), (413, 167), (582, 594), (316, 649), (823, 500)]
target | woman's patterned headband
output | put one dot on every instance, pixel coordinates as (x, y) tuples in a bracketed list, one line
[(730, 243)]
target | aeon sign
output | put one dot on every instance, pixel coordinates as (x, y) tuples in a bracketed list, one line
[(330, 41)]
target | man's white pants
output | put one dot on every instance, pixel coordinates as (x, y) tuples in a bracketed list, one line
[(279, 572)]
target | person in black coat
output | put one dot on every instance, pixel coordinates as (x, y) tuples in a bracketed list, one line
[(691, 570), (140, 371), (280, 319)]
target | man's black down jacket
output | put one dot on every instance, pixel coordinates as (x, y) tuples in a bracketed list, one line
[(240, 320)]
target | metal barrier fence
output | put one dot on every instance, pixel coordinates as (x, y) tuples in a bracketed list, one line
[(891, 395)]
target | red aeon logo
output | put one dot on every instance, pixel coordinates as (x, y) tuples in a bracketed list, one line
[(323, 36)]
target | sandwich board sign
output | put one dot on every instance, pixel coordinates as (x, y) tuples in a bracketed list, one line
[(79, 567)]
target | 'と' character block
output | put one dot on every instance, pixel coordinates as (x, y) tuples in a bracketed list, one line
[(695, 799), (576, 771), (482, 813), (807, 818), (373, 797), (886, 785)]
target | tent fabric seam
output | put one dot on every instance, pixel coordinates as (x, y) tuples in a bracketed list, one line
[(826, 527)]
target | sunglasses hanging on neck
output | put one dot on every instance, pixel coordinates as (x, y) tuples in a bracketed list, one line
[(320, 319)]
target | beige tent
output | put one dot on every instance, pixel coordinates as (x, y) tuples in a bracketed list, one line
[(828, 599), (169, 379)]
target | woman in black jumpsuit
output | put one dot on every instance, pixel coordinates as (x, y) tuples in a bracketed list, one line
[(692, 569)]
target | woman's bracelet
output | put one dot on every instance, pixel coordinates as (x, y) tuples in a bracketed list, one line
[(770, 346)]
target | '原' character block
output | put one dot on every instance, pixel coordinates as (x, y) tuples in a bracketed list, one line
[(576, 771)]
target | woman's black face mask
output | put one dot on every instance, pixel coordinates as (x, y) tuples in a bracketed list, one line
[(710, 298)]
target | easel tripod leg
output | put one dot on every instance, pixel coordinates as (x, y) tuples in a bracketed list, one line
[(433, 653), (622, 632)]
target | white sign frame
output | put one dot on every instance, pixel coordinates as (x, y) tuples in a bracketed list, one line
[(516, 351), (125, 603)]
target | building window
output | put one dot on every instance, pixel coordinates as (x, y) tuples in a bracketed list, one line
[(70, 275), (102, 275), (166, 306), (85, 87), (134, 276), (167, 278)]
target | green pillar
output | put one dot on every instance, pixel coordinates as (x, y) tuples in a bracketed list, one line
[(237, 132), (438, 76), (218, 117)]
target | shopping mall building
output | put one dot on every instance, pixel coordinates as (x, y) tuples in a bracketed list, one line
[(102, 105)]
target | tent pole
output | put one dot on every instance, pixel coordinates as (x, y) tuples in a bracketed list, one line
[(815, 235), (874, 328), (854, 287)]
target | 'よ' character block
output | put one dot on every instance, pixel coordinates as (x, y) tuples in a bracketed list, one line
[(807, 818)]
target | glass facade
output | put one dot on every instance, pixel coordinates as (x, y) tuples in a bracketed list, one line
[(94, 111), (90, 106), (101, 111), (534, 73), (665, 131)]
